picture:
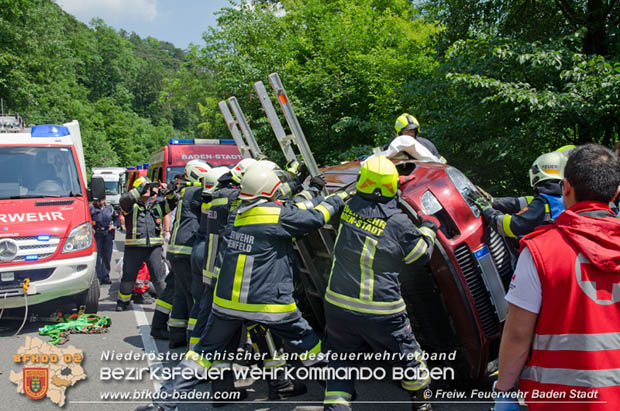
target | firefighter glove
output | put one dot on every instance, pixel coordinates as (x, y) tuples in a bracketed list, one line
[(318, 182), (430, 223)]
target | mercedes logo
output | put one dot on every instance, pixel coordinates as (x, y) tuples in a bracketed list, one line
[(8, 250)]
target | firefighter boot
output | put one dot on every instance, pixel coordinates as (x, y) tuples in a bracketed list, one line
[(419, 401), (123, 305), (224, 391), (281, 388)]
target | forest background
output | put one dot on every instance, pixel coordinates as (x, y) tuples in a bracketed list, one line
[(494, 83)]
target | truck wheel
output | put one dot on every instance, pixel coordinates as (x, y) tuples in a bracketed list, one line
[(89, 298)]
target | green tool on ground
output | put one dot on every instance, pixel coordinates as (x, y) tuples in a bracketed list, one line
[(75, 323)]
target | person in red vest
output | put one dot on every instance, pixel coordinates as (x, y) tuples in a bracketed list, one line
[(561, 339)]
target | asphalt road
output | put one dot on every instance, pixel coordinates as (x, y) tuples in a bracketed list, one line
[(129, 333)]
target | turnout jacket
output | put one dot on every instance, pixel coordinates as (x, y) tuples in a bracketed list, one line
[(375, 242), (143, 222), (186, 221), (255, 281), (518, 216)]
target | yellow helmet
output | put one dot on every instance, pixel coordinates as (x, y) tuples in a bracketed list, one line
[(406, 122), (378, 176), (139, 181)]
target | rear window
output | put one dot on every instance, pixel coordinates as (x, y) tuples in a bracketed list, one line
[(33, 172)]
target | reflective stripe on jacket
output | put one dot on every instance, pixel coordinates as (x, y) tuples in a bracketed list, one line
[(255, 281), (375, 242), (143, 222)]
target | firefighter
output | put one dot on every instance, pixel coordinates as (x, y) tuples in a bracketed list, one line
[(105, 222), (255, 282), (144, 209), (407, 129), (364, 308), (185, 225), (517, 217)]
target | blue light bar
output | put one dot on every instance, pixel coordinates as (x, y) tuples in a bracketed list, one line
[(32, 257), (176, 141), (130, 168), (227, 141), (139, 167), (145, 166), (49, 130), (43, 238)]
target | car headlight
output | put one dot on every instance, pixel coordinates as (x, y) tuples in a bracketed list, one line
[(430, 203), (80, 238), (464, 186)]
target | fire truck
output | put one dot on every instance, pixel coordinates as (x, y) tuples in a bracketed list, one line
[(170, 160), (47, 250)]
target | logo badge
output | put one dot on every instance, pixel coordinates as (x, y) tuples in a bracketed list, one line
[(8, 250), (602, 288), (35, 382)]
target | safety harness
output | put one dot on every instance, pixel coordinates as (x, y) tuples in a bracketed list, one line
[(73, 324)]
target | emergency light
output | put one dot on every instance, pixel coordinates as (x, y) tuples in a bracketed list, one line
[(139, 167), (145, 166), (176, 141), (130, 168), (49, 130), (43, 238), (179, 141)]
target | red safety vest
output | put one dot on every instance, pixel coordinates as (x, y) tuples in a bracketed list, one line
[(575, 353)]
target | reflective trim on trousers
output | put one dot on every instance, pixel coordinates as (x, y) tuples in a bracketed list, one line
[(311, 356), (337, 397), (162, 306), (416, 385), (571, 377), (577, 342), (177, 323), (124, 297), (191, 323)]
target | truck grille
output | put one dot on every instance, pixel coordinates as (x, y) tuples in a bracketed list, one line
[(501, 257), (33, 248), (475, 283)]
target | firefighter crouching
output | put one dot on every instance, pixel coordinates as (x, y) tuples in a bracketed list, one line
[(255, 282), (144, 209), (364, 308), (186, 222)]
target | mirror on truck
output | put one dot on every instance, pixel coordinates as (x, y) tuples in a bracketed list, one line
[(97, 189)]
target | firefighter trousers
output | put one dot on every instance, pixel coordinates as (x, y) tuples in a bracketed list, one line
[(163, 304), (348, 332), (204, 312), (197, 285), (132, 261), (182, 303), (221, 335)]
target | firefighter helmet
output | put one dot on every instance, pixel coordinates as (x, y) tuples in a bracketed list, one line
[(210, 180), (139, 181), (260, 180), (549, 166), (406, 122), (196, 170), (239, 170), (378, 176)]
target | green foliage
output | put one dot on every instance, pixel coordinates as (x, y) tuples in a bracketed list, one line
[(57, 69)]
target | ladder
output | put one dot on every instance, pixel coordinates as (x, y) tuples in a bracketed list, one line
[(249, 149)]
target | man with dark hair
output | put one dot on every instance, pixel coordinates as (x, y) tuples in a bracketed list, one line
[(563, 320)]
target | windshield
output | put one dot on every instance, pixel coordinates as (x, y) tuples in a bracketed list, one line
[(35, 172), (111, 187), (173, 171)]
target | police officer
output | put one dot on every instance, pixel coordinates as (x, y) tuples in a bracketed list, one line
[(185, 225), (144, 209), (105, 222), (517, 217), (255, 282), (364, 309)]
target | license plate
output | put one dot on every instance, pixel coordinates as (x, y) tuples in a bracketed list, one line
[(8, 276)]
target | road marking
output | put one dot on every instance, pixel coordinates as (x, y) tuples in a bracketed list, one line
[(148, 343)]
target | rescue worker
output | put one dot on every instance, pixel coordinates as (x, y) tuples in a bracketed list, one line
[(255, 282), (407, 128), (560, 339), (144, 209), (105, 222), (364, 308), (185, 225), (517, 217)]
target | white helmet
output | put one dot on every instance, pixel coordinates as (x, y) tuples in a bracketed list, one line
[(195, 170), (549, 166), (209, 183), (242, 166), (259, 181), (282, 175)]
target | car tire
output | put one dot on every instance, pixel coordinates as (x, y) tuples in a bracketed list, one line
[(89, 298)]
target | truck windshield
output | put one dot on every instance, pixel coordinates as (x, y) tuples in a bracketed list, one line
[(111, 187), (173, 171), (36, 172)]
